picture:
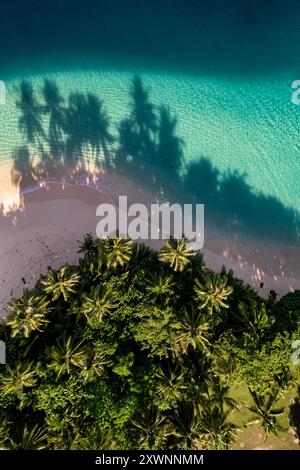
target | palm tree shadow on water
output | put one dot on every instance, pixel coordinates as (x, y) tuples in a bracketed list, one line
[(66, 133)]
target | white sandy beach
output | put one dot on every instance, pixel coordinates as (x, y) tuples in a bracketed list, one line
[(41, 228)]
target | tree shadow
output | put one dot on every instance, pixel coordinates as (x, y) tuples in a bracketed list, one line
[(67, 133), (147, 144), (259, 214), (232, 202), (137, 134), (23, 171), (54, 110), (202, 183), (86, 126), (30, 121)]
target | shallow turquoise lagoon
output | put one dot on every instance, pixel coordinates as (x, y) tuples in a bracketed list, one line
[(223, 69), (249, 125)]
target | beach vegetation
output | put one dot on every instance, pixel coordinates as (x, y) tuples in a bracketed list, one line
[(133, 348)]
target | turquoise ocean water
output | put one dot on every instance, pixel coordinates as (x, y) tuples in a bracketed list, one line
[(224, 72)]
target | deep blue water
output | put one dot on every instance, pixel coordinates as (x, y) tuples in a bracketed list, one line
[(210, 37)]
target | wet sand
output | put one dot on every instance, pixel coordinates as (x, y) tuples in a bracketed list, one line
[(41, 228)]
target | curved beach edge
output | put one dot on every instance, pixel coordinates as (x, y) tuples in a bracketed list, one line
[(54, 215)]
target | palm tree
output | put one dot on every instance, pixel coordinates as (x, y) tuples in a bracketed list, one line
[(88, 247), (5, 426), (199, 373), (218, 392), (217, 432), (21, 437), (213, 293), (90, 267), (176, 253), (242, 292), (28, 315), (116, 251), (61, 282), (99, 302), (154, 429), (254, 317), (187, 430), (160, 285), (214, 408), (15, 380), (66, 355), (170, 385), (96, 439), (264, 409), (97, 360), (192, 330), (141, 253)]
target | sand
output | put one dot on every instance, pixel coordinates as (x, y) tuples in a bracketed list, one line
[(41, 228)]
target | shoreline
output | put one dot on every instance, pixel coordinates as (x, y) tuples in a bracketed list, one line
[(38, 232)]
